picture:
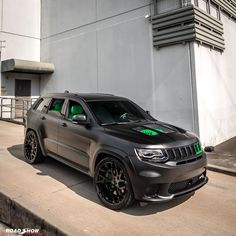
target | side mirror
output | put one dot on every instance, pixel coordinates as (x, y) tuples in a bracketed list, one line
[(148, 112), (80, 119)]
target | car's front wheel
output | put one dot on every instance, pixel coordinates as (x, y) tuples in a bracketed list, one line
[(112, 184), (32, 150)]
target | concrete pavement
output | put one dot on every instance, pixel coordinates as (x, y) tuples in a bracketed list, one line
[(3, 230), (66, 199), (223, 158)]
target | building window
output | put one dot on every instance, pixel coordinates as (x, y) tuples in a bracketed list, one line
[(214, 11), (186, 3), (203, 5), (165, 6)]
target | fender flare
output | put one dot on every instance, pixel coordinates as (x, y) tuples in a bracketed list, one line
[(39, 140), (114, 152)]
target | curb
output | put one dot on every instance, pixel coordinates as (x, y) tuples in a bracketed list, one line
[(12, 121), (222, 170), (16, 216)]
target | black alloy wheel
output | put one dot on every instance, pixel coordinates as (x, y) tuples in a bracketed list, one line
[(112, 184), (32, 149)]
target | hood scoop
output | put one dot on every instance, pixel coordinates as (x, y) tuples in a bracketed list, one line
[(153, 129)]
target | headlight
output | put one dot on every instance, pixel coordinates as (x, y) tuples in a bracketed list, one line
[(153, 155)]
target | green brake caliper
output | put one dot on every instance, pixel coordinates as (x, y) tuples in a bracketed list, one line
[(106, 178)]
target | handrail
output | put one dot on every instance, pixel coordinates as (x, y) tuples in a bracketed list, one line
[(15, 109)]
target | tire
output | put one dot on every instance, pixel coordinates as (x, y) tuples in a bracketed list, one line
[(112, 184), (32, 150)]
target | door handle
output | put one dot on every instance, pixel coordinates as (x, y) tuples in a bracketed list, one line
[(64, 124), (43, 118)]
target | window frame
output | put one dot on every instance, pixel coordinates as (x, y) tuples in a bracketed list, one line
[(38, 103)]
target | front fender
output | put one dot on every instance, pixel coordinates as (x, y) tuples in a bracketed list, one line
[(111, 151)]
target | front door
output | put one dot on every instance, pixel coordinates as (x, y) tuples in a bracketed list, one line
[(73, 139)]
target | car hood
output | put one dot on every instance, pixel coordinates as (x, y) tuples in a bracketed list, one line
[(151, 133)]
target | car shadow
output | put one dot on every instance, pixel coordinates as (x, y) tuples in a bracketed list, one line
[(82, 185)]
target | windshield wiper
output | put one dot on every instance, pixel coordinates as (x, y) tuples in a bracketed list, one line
[(140, 120), (125, 122)]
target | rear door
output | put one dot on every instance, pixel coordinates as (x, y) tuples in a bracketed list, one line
[(49, 124)]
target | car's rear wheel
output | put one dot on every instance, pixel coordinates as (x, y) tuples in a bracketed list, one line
[(32, 150), (112, 184)]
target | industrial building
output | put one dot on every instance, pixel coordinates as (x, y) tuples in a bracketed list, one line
[(175, 58)]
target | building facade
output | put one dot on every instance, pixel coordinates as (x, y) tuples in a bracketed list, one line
[(20, 39), (173, 57)]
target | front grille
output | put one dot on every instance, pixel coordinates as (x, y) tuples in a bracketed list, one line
[(183, 154), (186, 184)]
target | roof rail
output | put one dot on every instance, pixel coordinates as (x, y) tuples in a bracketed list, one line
[(106, 94)]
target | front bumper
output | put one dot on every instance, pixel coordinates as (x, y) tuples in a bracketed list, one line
[(186, 191), (163, 182)]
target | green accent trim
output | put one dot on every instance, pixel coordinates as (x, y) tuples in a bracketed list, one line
[(198, 148), (160, 130), (148, 132)]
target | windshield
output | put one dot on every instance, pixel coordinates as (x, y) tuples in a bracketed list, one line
[(110, 112)]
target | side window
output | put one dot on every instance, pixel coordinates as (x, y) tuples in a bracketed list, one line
[(42, 105), (56, 106), (74, 109)]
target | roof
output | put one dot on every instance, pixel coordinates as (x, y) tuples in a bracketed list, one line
[(33, 67), (87, 96), (98, 96)]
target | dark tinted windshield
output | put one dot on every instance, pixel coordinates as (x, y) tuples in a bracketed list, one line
[(122, 111)]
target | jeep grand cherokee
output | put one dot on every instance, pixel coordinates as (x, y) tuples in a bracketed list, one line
[(129, 154)]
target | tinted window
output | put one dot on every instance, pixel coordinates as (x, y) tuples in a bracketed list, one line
[(115, 111), (42, 104), (74, 109), (56, 106)]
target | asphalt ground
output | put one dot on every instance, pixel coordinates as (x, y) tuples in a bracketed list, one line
[(67, 200)]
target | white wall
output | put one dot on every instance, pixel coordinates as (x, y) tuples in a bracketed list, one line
[(20, 47), (63, 15), (174, 86), (8, 82), (20, 27), (216, 88), (108, 48), (110, 55)]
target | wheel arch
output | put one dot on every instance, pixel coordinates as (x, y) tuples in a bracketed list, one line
[(117, 154), (39, 139)]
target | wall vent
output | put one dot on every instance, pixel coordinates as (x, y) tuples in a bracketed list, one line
[(187, 24)]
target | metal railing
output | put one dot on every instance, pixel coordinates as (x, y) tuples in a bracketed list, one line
[(15, 109)]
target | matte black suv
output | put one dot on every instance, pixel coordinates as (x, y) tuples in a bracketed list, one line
[(129, 154)]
